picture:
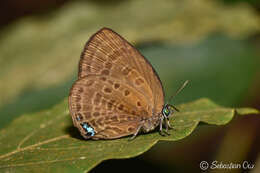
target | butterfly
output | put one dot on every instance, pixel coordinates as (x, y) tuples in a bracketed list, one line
[(118, 93)]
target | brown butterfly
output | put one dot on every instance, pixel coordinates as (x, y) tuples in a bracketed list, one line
[(118, 93)]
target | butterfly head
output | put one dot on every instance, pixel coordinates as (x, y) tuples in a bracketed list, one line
[(168, 110)]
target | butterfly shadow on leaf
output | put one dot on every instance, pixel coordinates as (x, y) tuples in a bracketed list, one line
[(73, 132)]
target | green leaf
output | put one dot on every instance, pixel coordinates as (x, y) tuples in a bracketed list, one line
[(47, 142)]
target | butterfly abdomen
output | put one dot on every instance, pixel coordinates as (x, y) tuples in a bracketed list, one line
[(150, 123)]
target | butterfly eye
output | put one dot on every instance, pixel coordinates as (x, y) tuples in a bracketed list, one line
[(166, 111)]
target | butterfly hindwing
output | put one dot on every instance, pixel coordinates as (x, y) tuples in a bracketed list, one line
[(107, 105)]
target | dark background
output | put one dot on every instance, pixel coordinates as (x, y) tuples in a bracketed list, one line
[(224, 69)]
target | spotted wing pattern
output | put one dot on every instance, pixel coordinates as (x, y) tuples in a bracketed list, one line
[(113, 108), (116, 87)]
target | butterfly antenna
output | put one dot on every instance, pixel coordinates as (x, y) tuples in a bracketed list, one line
[(179, 90)]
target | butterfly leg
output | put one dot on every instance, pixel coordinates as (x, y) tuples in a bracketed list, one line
[(167, 126), (136, 132), (161, 122), (168, 123)]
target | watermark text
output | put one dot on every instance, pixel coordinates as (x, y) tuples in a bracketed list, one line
[(246, 165)]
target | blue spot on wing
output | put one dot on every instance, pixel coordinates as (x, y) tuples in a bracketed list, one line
[(90, 131)]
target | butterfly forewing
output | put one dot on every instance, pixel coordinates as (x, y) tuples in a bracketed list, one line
[(108, 53), (116, 87)]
